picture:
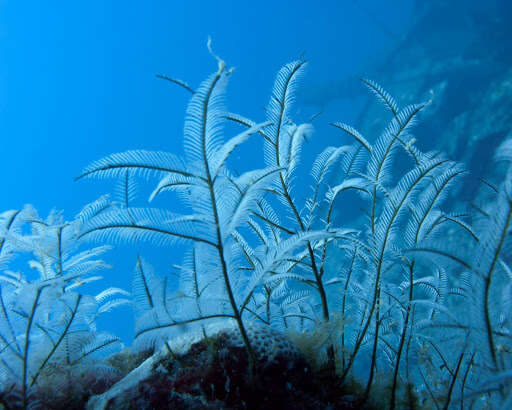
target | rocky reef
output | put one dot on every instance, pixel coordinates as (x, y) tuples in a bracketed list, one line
[(209, 370)]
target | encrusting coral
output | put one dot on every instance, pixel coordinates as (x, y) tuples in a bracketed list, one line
[(210, 372)]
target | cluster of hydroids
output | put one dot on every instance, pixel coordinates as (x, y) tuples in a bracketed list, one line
[(412, 293)]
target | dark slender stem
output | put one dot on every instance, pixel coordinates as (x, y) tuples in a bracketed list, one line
[(59, 341), (380, 261), (26, 348), (452, 383), (316, 273), (219, 245), (488, 278), (402, 338), (343, 307), (374, 348), (464, 379)]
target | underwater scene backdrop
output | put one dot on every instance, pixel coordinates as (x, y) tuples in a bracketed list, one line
[(253, 205)]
